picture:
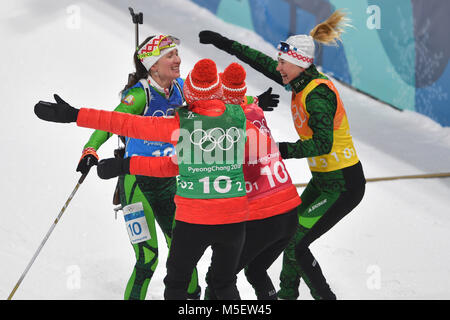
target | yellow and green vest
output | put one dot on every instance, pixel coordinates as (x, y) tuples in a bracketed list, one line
[(343, 153)]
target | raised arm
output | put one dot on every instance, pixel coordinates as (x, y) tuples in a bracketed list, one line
[(254, 58)]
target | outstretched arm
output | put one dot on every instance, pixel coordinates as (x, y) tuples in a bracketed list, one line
[(154, 166), (138, 165), (145, 128), (257, 60)]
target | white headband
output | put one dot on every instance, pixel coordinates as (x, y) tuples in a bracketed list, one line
[(149, 60)]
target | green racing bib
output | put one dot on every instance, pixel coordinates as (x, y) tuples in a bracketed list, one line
[(210, 154)]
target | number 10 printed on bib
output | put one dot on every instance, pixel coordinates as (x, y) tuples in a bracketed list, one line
[(136, 223)]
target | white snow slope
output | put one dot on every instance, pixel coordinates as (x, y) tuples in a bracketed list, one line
[(394, 245)]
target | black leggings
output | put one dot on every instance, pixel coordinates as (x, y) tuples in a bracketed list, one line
[(265, 240), (322, 208), (310, 268), (188, 245)]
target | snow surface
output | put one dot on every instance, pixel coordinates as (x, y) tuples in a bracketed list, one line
[(394, 245)]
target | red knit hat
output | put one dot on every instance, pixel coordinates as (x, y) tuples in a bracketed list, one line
[(233, 84), (202, 83)]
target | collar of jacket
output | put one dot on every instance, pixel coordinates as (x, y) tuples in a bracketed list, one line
[(299, 83), (165, 92)]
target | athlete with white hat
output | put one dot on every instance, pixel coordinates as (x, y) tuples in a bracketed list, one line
[(338, 184)]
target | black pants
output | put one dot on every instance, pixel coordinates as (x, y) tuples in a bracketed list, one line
[(333, 206), (265, 240), (307, 263), (188, 245)]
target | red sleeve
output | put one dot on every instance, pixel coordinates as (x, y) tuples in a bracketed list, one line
[(154, 166), (129, 125), (258, 144)]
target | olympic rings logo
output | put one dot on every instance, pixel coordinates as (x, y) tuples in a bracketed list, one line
[(161, 113), (216, 137), (262, 126)]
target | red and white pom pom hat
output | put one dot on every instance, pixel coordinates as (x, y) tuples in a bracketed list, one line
[(203, 82)]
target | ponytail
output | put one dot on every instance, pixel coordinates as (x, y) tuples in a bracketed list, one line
[(329, 31)]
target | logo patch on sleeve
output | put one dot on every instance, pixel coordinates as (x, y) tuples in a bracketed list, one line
[(128, 100)]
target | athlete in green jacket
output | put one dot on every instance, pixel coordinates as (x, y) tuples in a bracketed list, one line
[(155, 90)]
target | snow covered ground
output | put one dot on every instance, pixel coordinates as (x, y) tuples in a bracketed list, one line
[(394, 245)]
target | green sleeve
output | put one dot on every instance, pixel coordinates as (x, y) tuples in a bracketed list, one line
[(134, 102), (257, 60), (321, 105), (249, 99)]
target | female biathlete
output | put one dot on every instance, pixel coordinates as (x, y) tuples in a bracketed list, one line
[(155, 90), (272, 197), (337, 184)]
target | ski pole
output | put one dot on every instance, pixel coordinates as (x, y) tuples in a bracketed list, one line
[(80, 181)]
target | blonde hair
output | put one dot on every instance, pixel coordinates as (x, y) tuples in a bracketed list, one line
[(329, 31)]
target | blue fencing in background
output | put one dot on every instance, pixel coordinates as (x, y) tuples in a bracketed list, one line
[(397, 51)]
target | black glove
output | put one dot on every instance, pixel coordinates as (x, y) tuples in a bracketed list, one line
[(88, 159), (60, 111), (283, 148), (113, 167), (267, 101), (215, 39)]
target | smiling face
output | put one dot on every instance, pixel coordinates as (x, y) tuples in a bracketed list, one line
[(288, 71), (166, 69)]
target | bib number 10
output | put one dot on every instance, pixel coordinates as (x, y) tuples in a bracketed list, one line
[(216, 184), (280, 178), (222, 184), (136, 223), (274, 174)]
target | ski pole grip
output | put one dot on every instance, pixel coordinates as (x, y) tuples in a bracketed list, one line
[(83, 176), (140, 18)]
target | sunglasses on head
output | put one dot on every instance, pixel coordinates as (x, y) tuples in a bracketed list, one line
[(285, 47), (163, 43)]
